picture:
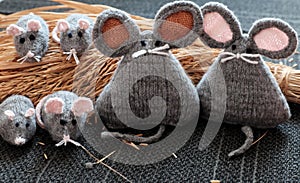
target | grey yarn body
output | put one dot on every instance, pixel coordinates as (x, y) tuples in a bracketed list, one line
[(253, 95), (52, 121), (79, 43), (8, 129), (176, 98), (39, 45)]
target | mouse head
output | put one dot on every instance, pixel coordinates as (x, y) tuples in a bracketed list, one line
[(63, 117), (18, 127), (30, 40), (76, 36), (269, 37), (176, 25)]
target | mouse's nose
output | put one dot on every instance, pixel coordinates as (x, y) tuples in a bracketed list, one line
[(20, 141), (63, 122)]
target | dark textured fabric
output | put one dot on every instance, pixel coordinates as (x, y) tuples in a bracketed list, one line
[(276, 158)]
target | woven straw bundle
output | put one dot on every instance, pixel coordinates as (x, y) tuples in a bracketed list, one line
[(54, 73)]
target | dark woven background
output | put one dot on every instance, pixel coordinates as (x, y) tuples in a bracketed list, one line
[(276, 158)]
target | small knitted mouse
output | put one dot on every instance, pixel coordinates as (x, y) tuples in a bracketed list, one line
[(31, 37), (63, 114), (17, 120), (252, 95), (75, 35), (149, 89)]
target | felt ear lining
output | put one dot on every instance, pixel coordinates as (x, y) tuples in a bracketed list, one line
[(271, 39), (176, 26), (114, 33), (217, 27)]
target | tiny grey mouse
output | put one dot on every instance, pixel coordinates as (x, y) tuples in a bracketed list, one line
[(31, 36), (63, 114), (149, 88), (75, 34), (17, 120)]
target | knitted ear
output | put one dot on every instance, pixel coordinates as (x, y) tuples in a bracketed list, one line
[(54, 105), (14, 30), (220, 26), (273, 38), (30, 112), (33, 25), (114, 32), (83, 24), (178, 23), (10, 114), (82, 105), (62, 25)]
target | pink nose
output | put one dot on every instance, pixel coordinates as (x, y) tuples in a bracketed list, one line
[(20, 141), (30, 54)]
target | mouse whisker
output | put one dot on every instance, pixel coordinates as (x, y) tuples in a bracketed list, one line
[(71, 53)]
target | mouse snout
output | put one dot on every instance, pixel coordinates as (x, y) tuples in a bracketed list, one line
[(20, 141), (30, 54)]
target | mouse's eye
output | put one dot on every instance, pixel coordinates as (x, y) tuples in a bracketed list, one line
[(32, 37), (27, 125), (63, 122), (74, 122), (233, 47), (22, 40), (70, 35), (80, 34), (17, 125), (157, 43), (143, 43)]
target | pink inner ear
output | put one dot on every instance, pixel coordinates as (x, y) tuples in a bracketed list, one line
[(83, 24), (14, 30), (216, 27), (62, 26), (54, 105), (33, 25), (82, 105), (271, 39), (29, 112), (10, 114)]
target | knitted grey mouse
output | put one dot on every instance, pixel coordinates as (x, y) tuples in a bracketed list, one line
[(75, 35), (31, 36), (147, 71), (17, 120), (254, 98), (63, 114)]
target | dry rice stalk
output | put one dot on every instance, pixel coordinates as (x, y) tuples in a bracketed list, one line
[(54, 73)]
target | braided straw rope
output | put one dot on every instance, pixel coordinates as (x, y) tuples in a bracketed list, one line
[(54, 73)]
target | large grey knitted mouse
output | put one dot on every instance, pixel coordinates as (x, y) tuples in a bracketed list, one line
[(31, 36), (147, 71), (75, 35), (63, 114), (254, 98), (17, 120)]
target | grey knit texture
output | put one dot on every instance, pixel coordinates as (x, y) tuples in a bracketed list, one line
[(39, 45), (253, 95)]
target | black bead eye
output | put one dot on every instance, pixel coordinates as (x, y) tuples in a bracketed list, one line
[(74, 122), (27, 125), (63, 122), (233, 47), (32, 37), (157, 43), (249, 51), (70, 35), (143, 43), (22, 40), (17, 125), (80, 34)]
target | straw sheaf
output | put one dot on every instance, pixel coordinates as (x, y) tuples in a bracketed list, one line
[(54, 73)]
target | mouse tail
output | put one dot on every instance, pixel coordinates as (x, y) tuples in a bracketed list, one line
[(54, 35), (136, 139)]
